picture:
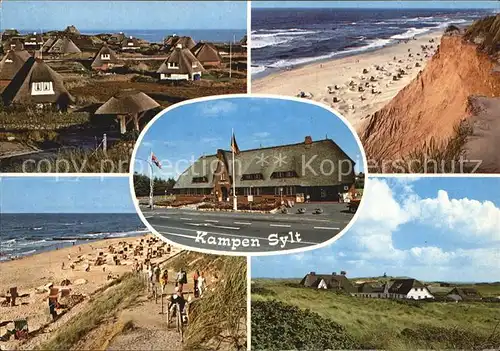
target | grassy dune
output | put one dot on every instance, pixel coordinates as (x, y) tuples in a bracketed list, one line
[(391, 324)]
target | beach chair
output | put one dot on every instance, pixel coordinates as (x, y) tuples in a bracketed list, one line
[(13, 295), (21, 329)]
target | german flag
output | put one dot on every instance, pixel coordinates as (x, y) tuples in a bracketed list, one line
[(234, 145), (155, 160)]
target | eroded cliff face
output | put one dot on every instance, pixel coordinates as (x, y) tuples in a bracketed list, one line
[(434, 103)]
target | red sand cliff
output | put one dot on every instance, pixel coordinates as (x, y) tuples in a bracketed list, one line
[(434, 103)]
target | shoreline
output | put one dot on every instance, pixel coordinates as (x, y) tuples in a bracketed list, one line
[(314, 78)]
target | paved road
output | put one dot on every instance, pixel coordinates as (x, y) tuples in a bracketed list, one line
[(249, 232)]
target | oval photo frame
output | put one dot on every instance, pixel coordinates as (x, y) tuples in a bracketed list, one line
[(212, 223)]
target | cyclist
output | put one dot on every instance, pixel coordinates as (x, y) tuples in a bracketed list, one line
[(176, 298)]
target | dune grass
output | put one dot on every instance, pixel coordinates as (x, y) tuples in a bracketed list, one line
[(392, 324), (122, 294)]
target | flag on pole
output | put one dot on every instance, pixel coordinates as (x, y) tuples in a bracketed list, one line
[(234, 146), (155, 160)]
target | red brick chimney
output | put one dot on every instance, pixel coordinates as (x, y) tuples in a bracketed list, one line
[(308, 140)]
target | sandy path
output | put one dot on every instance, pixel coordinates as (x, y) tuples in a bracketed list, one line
[(38, 270), (347, 74)]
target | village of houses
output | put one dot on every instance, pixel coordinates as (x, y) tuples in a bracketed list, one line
[(65, 90), (399, 288)]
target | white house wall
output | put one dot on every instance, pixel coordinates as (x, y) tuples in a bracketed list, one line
[(419, 294)]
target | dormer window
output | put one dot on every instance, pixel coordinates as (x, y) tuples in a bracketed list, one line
[(254, 176), (288, 174), (42, 88), (194, 65), (173, 65), (105, 56), (8, 61), (130, 43)]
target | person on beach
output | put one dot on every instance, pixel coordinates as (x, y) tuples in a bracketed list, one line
[(52, 308), (195, 284), (201, 283), (176, 298), (157, 273), (181, 279), (164, 279)]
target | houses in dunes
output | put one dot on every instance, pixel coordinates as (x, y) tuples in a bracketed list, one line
[(207, 54), (173, 41), (33, 41), (181, 64), (130, 44), (105, 59), (464, 294), (63, 46), (11, 63), (37, 84), (334, 281)]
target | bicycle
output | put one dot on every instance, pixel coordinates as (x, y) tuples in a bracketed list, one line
[(179, 321)]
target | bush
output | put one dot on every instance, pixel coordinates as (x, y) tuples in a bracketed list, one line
[(279, 326)]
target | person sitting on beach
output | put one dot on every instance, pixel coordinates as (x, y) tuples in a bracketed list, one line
[(176, 298)]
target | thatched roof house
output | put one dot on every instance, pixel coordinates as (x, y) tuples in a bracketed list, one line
[(207, 54), (181, 64), (104, 59), (11, 63), (299, 173), (48, 44), (33, 42), (130, 43), (72, 30), (10, 33), (116, 38), (172, 41), (327, 281), (464, 294), (13, 44), (37, 83), (64, 46), (128, 105)]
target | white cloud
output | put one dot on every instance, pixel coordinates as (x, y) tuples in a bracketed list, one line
[(217, 108), (261, 134)]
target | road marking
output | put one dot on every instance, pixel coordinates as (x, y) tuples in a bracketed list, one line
[(211, 220), (163, 217), (244, 223), (186, 219), (212, 226), (148, 217), (280, 225), (327, 228)]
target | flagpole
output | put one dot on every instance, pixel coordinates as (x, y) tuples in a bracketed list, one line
[(235, 201), (151, 183)]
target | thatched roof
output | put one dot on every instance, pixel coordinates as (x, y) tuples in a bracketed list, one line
[(72, 30), (206, 52), (15, 44), (48, 44), (35, 71), (174, 40), (133, 41), (403, 286), (10, 32), (294, 156), (105, 50), (333, 281), (185, 59), (127, 102), (12, 63), (64, 46)]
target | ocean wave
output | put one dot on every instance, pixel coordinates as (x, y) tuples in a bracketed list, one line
[(37, 228), (374, 44), (410, 33), (257, 69), (276, 37)]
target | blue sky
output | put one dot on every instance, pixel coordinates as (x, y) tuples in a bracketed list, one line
[(65, 195), (427, 228), (182, 135), (124, 14), (377, 4)]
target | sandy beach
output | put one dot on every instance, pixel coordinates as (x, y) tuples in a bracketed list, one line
[(32, 275), (356, 86)]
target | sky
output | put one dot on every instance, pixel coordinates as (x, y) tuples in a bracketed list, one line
[(378, 4), (65, 195), (85, 15), (180, 136), (430, 229)]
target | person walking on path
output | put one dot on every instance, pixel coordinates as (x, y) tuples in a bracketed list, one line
[(195, 284), (201, 284)]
